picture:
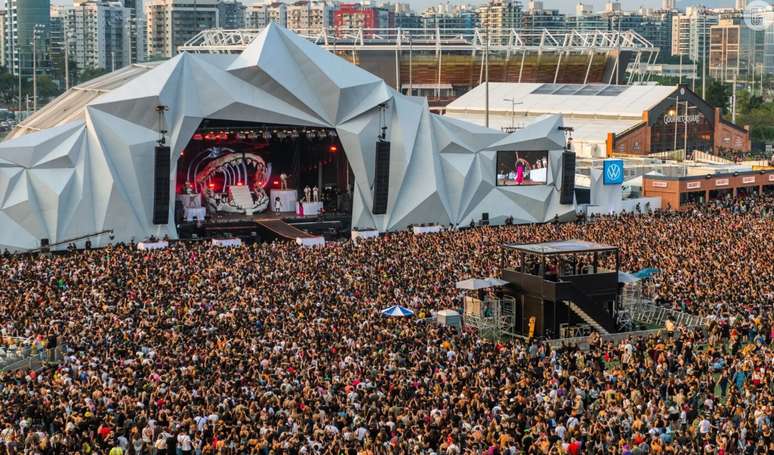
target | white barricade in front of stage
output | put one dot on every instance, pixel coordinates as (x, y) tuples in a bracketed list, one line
[(152, 245), (310, 241), (427, 229), (288, 200), (195, 213), (227, 242), (309, 208), (362, 235)]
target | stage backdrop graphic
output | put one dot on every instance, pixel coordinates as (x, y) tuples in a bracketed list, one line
[(613, 172), (522, 168)]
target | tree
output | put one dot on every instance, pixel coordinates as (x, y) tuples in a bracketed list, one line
[(91, 73), (718, 95), (46, 87)]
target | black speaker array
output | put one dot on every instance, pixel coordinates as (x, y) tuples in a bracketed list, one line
[(161, 185), (381, 178), (485, 219), (568, 178)]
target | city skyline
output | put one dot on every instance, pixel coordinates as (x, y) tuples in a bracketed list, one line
[(564, 6)]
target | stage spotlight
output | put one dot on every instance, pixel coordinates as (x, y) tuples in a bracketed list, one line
[(332, 133), (267, 135), (197, 137), (333, 148), (294, 134), (252, 135)]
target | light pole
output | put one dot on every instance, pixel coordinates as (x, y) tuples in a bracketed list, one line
[(685, 135), (35, 34), (677, 116), (67, 61), (513, 111), (486, 71)]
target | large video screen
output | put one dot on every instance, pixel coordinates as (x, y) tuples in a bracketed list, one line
[(521, 168)]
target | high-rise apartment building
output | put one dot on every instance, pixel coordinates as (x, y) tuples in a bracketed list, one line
[(690, 32), (25, 21), (309, 17), (99, 34), (500, 15), (446, 17), (2, 38), (536, 19), (259, 15), (231, 14), (736, 52), (170, 23)]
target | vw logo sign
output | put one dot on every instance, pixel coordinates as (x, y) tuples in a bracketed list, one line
[(613, 172)]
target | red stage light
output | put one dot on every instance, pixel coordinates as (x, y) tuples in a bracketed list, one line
[(211, 185), (276, 182), (197, 137), (239, 183), (333, 149)]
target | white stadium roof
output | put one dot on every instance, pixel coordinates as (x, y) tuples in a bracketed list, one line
[(576, 100), (592, 110)]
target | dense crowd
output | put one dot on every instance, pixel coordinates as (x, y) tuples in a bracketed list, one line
[(275, 348)]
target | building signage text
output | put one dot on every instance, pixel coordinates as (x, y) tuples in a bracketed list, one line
[(683, 118), (721, 182), (657, 184), (693, 185), (748, 179)]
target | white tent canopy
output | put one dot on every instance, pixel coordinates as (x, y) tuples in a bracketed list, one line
[(473, 284)]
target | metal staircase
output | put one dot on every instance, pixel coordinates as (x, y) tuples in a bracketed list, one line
[(588, 319)]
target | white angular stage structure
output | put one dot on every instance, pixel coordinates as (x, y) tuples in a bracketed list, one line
[(91, 168)]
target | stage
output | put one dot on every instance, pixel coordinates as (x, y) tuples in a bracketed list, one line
[(254, 227)]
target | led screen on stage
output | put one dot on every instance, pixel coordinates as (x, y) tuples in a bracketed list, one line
[(521, 168)]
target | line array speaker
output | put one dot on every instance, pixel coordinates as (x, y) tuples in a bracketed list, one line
[(381, 177), (161, 185), (568, 178)]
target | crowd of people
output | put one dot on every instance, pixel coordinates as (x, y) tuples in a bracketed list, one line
[(276, 348)]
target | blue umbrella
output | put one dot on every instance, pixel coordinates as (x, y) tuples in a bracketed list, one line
[(646, 273), (397, 311)]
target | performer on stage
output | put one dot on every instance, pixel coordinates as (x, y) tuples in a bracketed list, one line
[(277, 205), (283, 181), (315, 194), (307, 194), (522, 170)]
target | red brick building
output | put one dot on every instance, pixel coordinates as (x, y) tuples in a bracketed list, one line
[(682, 120)]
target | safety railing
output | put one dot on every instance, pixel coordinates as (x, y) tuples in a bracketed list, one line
[(654, 315)]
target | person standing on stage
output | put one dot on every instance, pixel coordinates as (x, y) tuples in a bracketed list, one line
[(277, 205), (283, 181), (315, 194), (307, 195)]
